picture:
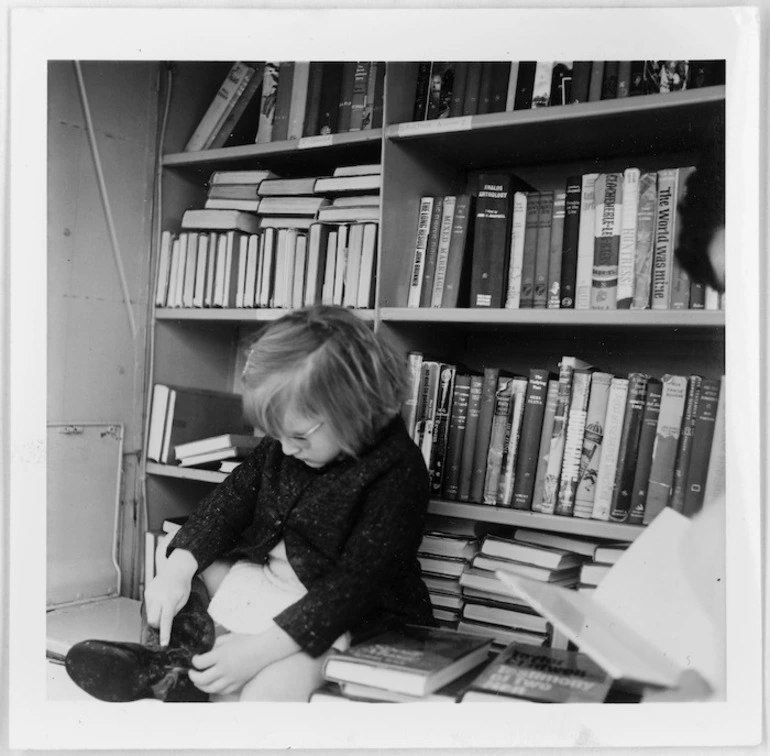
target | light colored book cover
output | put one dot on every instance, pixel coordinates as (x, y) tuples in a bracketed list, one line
[(511, 451), (518, 224), (608, 209), (663, 250), (627, 250), (585, 252), (573, 444)]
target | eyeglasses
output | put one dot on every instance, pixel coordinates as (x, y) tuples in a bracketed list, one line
[(303, 439)]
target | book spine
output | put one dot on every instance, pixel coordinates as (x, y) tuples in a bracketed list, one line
[(627, 251), (267, 103), (569, 248), (513, 78), (500, 421), (595, 81), (645, 235), (663, 250), (524, 84), (610, 80), (299, 97), (684, 452), (529, 251), (230, 119), (518, 228), (283, 101), (413, 371), (636, 86), (426, 408), (164, 266), (702, 438), (544, 446), (499, 75), (529, 441), (608, 193), (490, 241), (624, 78), (581, 75), (469, 440), (573, 443), (431, 253), (442, 254), (441, 426), (472, 86), (422, 88), (547, 504), (585, 249), (511, 443), (331, 94), (346, 96), (360, 84), (450, 485), (680, 279), (541, 87), (379, 95), (420, 249), (369, 98), (555, 251), (458, 90), (543, 250), (613, 428), (313, 106), (629, 447), (672, 403), (561, 82), (483, 433), (455, 289), (591, 450)]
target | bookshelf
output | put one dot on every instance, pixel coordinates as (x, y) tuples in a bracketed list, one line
[(204, 347)]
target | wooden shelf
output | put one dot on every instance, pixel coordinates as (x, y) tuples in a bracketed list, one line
[(185, 473), (505, 516), (688, 319), (231, 315), (300, 156), (632, 125)]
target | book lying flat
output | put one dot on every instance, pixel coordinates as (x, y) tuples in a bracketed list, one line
[(542, 556), (413, 659), (547, 574), (643, 624), (545, 675), (215, 443), (207, 458)]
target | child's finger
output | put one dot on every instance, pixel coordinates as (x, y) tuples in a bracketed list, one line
[(164, 626), (203, 661)]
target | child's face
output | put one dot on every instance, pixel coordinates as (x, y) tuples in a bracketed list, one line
[(309, 440)]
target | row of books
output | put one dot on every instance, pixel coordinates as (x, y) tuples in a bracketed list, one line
[(291, 100), (605, 241), (415, 664), (277, 267), (450, 89), (460, 573), (583, 443)]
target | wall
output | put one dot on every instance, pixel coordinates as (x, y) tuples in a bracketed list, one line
[(95, 369)]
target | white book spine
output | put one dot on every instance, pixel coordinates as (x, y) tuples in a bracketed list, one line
[(252, 255), (420, 248), (298, 103), (508, 477), (300, 265), (164, 265), (173, 272), (627, 253), (243, 250), (513, 78), (211, 269), (518, 224), (200, 270), (663, 250), (368, 257), (585, 255), (340, 264), (327, 291), (605, 481), (353, 268), (181, 270), (573, 444)]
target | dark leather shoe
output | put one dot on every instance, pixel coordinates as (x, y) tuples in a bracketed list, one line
[(113, 671)]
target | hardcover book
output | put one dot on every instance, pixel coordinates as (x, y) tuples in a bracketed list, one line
[(436, 293), (546, 675), (529, 250), (512, 443), (663, 251), (441, 426), (472, 87), (519, 551), (469, 439), (569, 248), (431, 253), (415, 660), (543, 250), (500, 423), (684, 451), (267, 103), (586, 243), (455, 287), (483, 433), (518, 230), (627, 248), (524, 85), (645, 238), (450, 484), (544, 446), (608, 198), (420, 250), (283, 101), (553, 292)]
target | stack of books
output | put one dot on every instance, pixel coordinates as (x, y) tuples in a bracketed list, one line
[(180, 415), (575, 443), (598, 241), (594, 571), (213, 450), (450, 89), (408, 664)]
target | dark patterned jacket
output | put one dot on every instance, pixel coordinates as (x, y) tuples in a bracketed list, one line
[(351, 529)]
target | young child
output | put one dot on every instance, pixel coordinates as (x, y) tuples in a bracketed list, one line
[(311, 542)]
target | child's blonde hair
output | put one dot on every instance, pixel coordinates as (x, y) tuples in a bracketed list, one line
[(324, 362)]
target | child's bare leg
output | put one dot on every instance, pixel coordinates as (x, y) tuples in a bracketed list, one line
[(293, 678)]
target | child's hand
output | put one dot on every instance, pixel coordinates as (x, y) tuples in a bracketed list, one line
[(168, 592), (234, 660)]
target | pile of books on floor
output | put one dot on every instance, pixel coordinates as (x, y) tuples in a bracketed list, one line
[(266, 241), (417, 664), (450, 89), (590, 241), (579, 442), (279, 101)]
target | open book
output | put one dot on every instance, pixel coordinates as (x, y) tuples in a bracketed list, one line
[(645, 624)]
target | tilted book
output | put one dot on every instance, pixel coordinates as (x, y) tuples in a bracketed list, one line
[(680, 278), (414, 659), (591, 449), (267, 103), (431, 253), (586, 242), (629, 447), (546, 675), (544, 445), (414, 366), (645, 237), (672, 404), (529, 440), (613, 429), (608, 199), (627, 249), (489, 260), (454, 291)]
